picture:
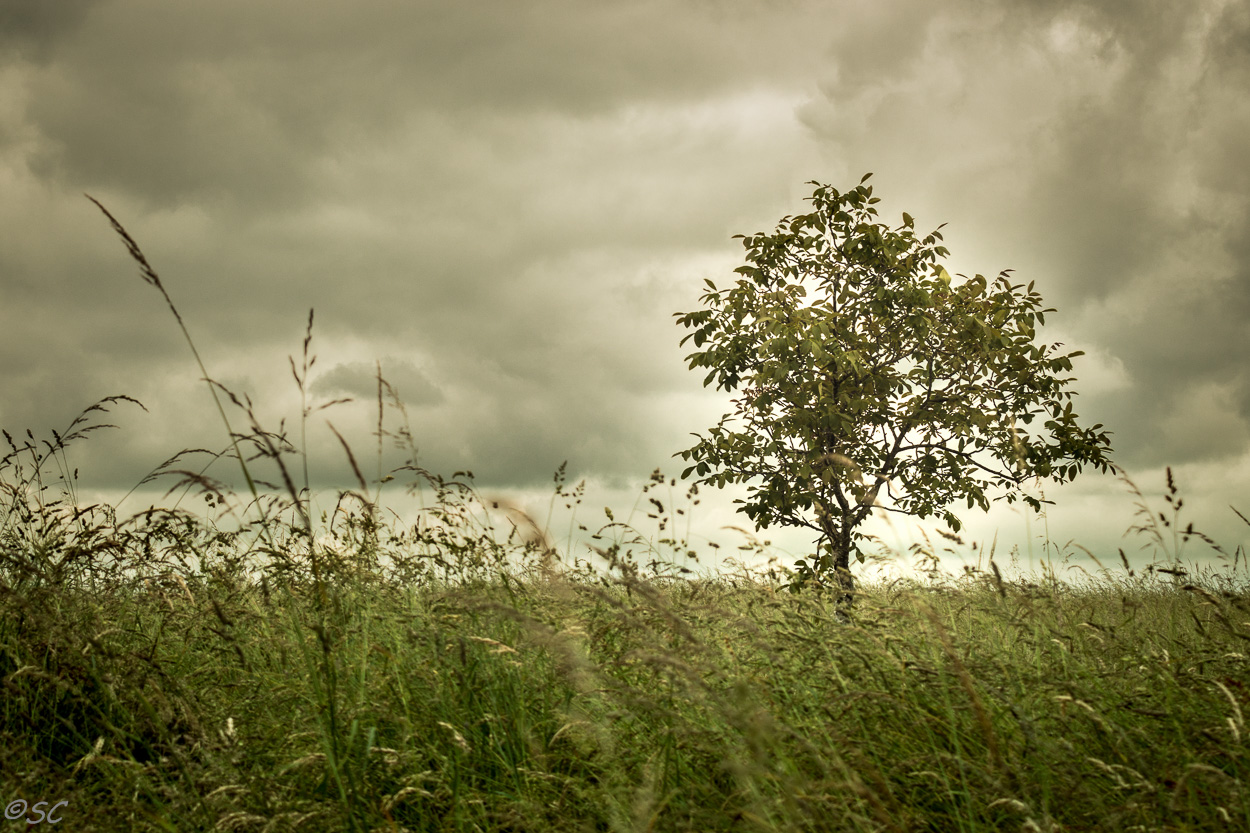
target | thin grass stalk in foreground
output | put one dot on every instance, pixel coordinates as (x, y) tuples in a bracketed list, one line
[(149, 276)]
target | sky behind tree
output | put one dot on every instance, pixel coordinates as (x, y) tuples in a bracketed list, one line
[(504, 204)]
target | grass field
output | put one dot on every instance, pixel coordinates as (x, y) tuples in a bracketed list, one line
[(152, 694)]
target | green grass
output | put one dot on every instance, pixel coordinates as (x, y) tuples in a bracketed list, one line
[(200, 700), (169, 672)]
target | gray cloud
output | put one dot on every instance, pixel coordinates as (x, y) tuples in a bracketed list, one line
[(1109, 125), (256, 103), (507, 202), (360, 379), (32, 28)]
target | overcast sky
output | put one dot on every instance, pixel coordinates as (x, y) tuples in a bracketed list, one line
[(505, 201)]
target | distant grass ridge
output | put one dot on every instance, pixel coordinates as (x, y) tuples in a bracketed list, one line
[(173, 672)]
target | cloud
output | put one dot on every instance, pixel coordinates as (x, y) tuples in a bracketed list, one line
[(1088, 138), (32, 28), (250, 102), (360, 380), (509, 201)]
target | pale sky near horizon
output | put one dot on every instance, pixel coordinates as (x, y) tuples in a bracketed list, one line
[(506, 202)]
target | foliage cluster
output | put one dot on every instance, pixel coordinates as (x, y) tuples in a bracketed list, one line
[(893, 375)]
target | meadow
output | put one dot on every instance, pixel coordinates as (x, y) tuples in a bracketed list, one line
[(172, 672)]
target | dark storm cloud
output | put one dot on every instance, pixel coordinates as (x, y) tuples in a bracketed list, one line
[(511, 199), (33, 27), (256, 102), (1119, 126), (470, 183), (1142, 193)]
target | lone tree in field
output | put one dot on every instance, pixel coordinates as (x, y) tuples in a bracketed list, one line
[(892, 376)]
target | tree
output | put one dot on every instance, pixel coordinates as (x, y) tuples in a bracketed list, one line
[(895, 375)]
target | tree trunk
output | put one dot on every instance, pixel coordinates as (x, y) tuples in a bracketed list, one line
[(845, 581), (838, 539)]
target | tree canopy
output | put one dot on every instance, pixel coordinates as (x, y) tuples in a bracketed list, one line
[(889, 375)]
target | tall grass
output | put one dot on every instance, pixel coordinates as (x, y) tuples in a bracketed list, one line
[(169, 672)]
